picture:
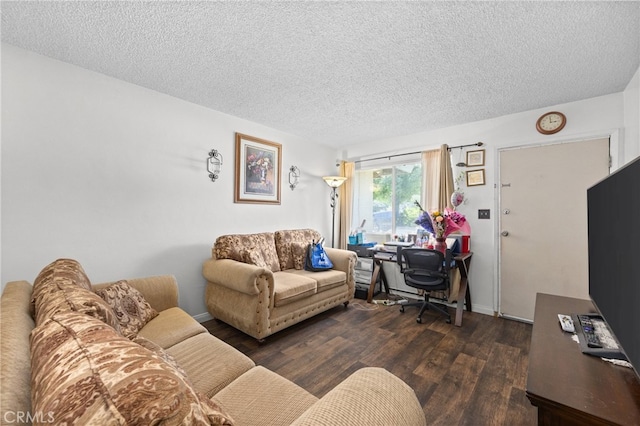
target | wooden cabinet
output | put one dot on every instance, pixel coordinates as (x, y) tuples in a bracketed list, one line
[(569, 387)]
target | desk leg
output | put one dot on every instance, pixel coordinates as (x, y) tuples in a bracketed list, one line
[(374, 278), (383, 280), (464, 295), (464, 290)]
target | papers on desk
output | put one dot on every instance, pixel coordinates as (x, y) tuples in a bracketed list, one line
[(398, 244), (451, 242)]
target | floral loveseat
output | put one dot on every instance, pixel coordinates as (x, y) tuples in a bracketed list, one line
[(257, 282), (124, 353)]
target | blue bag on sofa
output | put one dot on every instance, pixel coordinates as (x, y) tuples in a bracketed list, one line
[(317, 259)]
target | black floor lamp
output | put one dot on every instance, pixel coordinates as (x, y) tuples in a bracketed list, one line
[(334, 182)]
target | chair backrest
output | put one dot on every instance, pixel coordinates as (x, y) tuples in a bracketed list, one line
[(425, 267)]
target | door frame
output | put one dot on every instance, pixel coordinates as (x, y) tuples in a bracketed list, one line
[(616, 152)]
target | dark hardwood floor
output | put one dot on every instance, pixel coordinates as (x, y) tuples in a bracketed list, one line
[(474, 374)]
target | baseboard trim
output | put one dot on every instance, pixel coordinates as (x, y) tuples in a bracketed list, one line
[(203, 317), (486, 310)]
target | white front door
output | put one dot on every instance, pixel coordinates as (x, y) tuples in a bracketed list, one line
[(543, 221)]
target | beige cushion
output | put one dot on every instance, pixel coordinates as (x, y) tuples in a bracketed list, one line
[(114, 380), (131, 309), (16, 324), (358, 399), (170, 327), (262, 397), (210, 363), (290, 287), (324, 279)]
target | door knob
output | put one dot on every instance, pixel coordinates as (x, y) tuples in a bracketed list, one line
[(504, 233)]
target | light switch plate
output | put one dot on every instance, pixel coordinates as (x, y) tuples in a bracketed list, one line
[(484, 214)]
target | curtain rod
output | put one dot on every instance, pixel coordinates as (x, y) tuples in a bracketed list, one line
[(416, 152)]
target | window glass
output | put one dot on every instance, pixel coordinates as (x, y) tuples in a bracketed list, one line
[(384, 198)]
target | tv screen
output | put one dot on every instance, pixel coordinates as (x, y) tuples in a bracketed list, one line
[(614, 255)]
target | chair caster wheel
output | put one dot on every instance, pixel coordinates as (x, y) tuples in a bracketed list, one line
[(402, 309), (448, 320), (419, 320)]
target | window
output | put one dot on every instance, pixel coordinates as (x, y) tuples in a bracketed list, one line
[(384, 197)]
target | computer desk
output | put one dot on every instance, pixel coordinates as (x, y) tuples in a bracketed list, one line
[(462, 262)]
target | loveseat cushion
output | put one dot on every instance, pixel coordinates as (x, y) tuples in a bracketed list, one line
[(83, 372), (130, 307), (233, 247), (324, 279), (291, 287), (286, 239)]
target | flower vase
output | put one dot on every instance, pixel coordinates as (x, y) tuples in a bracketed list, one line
[(441, 245)]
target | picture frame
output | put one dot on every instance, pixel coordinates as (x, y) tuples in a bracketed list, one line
[(258, 170), (475, 177), (475, 158)]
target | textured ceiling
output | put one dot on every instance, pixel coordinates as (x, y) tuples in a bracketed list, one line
[(342, 73)]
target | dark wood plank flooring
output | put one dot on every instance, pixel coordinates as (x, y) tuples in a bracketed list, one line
[(475, 374)]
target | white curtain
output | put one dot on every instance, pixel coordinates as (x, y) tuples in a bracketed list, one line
[(436, 195), (438, 179), (347, 169)]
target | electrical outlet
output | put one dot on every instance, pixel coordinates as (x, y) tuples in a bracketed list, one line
[(484, 214)]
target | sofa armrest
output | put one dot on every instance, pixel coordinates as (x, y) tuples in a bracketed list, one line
[(238, 276), (343, 260), (160, 291), (370, 396)]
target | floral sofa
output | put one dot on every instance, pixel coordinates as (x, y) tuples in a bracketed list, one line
[(124, 353), (257, 282)]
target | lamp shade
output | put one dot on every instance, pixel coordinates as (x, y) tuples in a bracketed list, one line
[(334, 181)]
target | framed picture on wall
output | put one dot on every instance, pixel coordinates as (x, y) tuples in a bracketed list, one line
[(258, 170), (475, 158), (475, 177)]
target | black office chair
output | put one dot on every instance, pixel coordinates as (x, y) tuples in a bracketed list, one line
[(426, 270)]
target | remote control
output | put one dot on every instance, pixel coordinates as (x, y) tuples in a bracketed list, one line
[(566, 323)]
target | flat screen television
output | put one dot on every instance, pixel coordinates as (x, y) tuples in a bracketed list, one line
[(614, 255)]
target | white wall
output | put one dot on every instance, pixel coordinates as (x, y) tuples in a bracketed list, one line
[(114, 175), (586, 119), (631, 144)]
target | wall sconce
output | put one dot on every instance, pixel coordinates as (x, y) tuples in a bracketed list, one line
[(214, 164), (294, 174), (334, 182)]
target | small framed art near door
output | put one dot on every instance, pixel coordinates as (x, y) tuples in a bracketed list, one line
[(258, 168)]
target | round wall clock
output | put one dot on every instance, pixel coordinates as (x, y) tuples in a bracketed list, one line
[(551, 122)]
